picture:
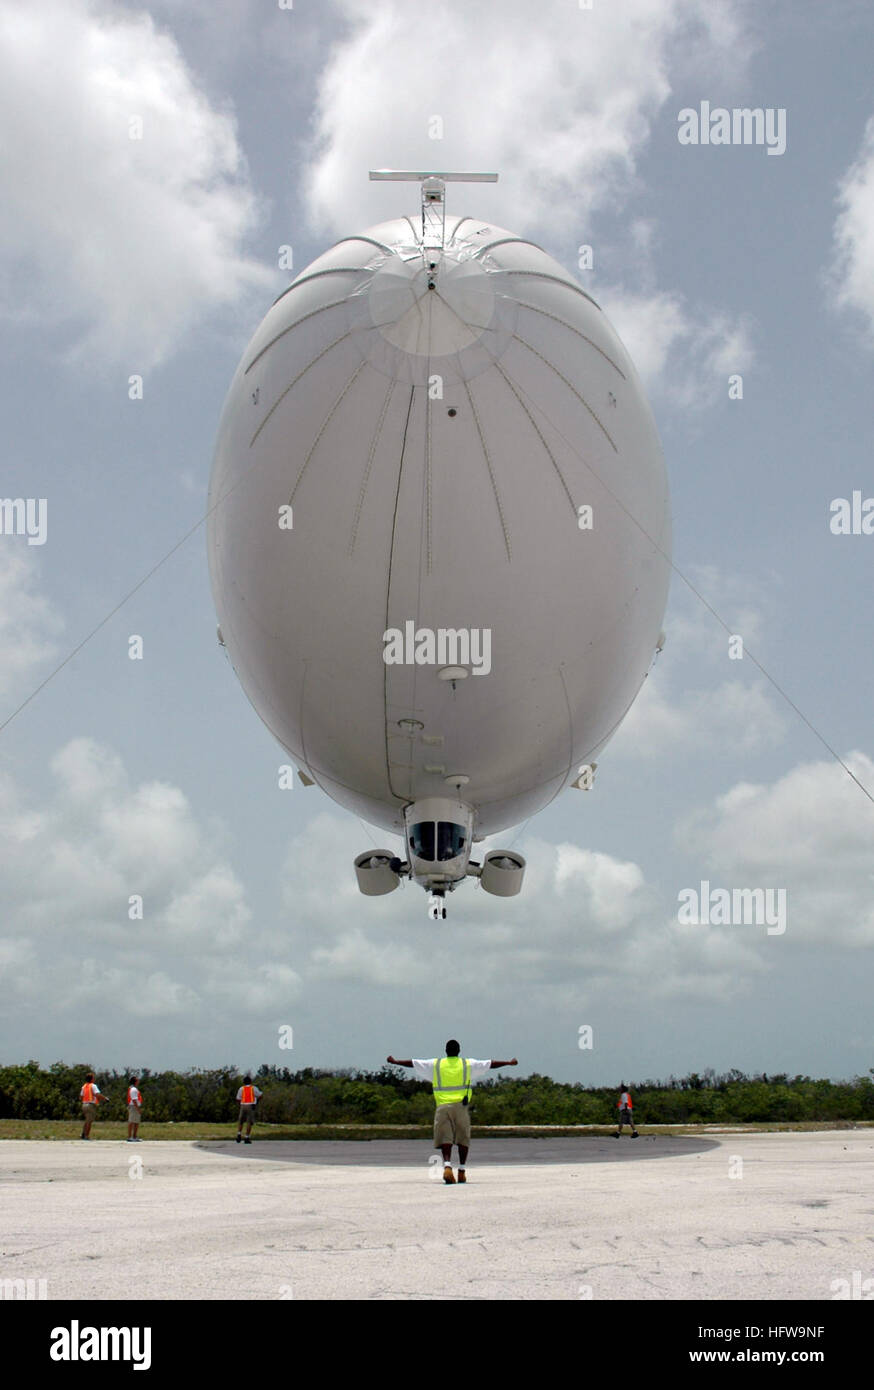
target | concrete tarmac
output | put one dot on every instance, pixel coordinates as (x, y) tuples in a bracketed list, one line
[(720, 1216)]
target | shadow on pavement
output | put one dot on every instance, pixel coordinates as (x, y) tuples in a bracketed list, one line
[(411, 1153)]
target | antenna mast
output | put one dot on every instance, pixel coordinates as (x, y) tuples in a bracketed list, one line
[(433, 196)]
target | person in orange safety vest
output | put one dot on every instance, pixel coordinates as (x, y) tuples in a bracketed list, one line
[(248, 1095), (90, 1096), (625, 1106)]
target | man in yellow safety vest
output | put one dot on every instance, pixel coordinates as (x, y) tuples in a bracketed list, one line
[(451, 1077)]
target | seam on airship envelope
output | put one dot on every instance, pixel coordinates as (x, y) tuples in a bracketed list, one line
[(544, 275), (292, 384), (391, 551), (534, 425), (370, 457), (322, 309), (581, 399), (488, 460), (505, 241), (428, 511), (325, 423), (522, 304), (460, 223)]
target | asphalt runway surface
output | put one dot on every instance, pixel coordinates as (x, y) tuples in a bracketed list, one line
[(716, 1216)]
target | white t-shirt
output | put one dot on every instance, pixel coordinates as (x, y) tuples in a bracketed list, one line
[(625, 1101), (135, 1097), (424, 1067)]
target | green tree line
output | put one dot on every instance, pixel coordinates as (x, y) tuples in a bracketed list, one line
[(391, 1096)]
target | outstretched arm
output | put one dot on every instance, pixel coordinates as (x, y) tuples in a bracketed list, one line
[(513, 1062), (395, 1062)]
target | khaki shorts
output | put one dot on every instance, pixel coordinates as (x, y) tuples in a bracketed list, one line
[(247, 1115), (625, 1118), (89, 1110), (452, 1125), (133, 1115)]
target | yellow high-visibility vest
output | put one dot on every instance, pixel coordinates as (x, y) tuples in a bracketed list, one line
[(451, 1080)]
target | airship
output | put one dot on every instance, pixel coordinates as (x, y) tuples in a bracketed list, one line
[(439, 535)]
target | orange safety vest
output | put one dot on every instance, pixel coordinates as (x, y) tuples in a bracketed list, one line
[(248, 1095), (129, 1101), (619, 1105), (88, 1093)]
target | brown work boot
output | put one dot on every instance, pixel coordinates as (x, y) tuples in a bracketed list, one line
[(462, 1175), (448, 1175)]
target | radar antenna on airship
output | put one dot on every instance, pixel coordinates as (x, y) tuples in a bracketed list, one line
[(433, 198)]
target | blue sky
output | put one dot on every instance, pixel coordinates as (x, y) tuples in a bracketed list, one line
[(158, 257)]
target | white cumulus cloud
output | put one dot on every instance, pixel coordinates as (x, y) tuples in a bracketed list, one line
[(686, 354), (121, 245), (562, 106), (853, 265), (696, 696), (559, 100), (29, 625), (810, 832), (71, 864)]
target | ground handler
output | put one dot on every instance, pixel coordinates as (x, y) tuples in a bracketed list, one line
[(134, 1102), (625, 1106), (90, 1095), (248, 1096), (451, 1077)]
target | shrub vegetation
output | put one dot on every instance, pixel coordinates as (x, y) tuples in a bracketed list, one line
[(392, 1096)]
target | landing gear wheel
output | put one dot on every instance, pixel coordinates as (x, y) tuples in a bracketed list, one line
[(436, 907)]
